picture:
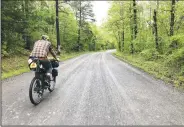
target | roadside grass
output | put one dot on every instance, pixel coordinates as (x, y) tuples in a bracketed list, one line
[(156, 68), (16, 65)]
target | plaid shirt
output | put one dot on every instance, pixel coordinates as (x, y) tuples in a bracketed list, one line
[(42, 48)]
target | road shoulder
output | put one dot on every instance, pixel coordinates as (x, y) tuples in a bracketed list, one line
[(155, 70)]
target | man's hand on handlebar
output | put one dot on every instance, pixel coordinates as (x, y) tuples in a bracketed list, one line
[(57, 59)]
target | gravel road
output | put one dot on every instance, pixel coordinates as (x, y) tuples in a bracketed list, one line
[(94, 89)]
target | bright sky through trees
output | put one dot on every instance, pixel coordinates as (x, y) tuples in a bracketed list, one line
[(100, 9)]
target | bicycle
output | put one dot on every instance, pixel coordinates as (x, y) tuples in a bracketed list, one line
[(41, 81)]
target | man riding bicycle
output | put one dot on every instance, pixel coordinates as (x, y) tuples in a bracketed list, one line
[(41, 50)]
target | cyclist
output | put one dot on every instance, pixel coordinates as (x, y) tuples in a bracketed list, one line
[(41, 50)]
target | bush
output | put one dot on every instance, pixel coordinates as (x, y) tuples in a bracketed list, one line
[(177, 56), (175, 61), (138, 46), (35, 35), (182, 70), (150, 54), (176, 41)]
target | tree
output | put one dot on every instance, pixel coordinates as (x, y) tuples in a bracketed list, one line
[(172, 18), (57, 28), (84, 14), (135, 20), (155, 28)]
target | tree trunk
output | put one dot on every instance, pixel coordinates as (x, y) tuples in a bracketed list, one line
[(172, 18), (155, 28), (57, 29), (151, 30), (119, 41), (123, 38), (95, 45), (131, 31), (133, 25), (26, 34), (122, 18), (79, 30), (64, 30), (135, 19)]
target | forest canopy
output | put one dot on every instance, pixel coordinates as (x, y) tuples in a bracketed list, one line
[(153, 29), (150, 30), (24, 21)]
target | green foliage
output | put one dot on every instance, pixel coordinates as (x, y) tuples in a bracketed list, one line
[(150, 54), (166, 60), (182, 70), (177, 41), (24, 21), (119, 19), (176, 59)]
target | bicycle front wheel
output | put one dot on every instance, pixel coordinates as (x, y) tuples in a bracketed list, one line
[(35, 91)]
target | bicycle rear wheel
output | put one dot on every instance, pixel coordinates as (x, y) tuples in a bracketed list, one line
[(35, 91)]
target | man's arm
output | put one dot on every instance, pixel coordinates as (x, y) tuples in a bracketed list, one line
[(52, 52)]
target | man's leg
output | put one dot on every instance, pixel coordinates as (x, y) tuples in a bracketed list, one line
[(47, 65)]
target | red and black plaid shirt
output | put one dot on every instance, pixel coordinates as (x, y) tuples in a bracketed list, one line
[(42, 48)]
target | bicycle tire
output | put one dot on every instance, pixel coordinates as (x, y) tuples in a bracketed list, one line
[(31, 90)]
